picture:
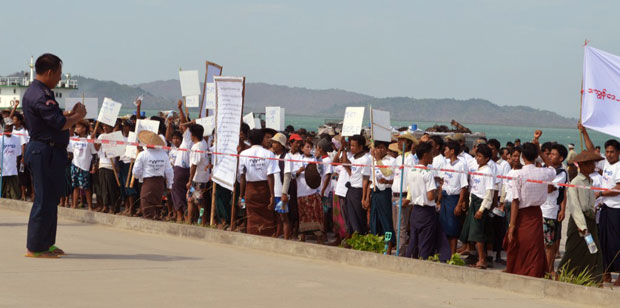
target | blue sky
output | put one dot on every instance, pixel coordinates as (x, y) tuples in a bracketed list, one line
[(509, 52)]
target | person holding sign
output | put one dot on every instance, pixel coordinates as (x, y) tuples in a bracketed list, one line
[(83, 152), (257, 167), (46, 154), (181, 165), (107, 178), (154, 170)]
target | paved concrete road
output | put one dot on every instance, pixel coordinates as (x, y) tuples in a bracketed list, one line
[(115, 268)]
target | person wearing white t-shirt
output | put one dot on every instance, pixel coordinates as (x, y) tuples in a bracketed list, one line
[(198, 176), (283, 226), (311, 218), (381, 195), (153, 170), (483, 189), (289, 184), (21, 133), (12, 150), (421, 194), (257, 167), (407, 142), (181, 164), (554, 207), (453, 193), (340, 192), (107, 175), (83, 152), (323, 147), (515, 164), (609, 218), (357, 164)]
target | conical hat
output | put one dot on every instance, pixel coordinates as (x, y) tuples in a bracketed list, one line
[(585, 156), (150, 138)]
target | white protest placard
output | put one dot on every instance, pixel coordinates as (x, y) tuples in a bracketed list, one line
[(190, 84), (131, 151), (109, 111), (249, 120), (143, 124), (257, 123), (381, 127), (192, 101), (228, 112), (353, 118), (112, 149), (208, 123), (91, 103), (274, 118), (210, 96), (600, 108)]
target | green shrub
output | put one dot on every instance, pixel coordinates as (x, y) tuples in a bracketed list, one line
[(456, 260), (368, 242), (583, 278)]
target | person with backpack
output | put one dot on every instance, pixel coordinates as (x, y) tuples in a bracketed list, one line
[(554, 206)]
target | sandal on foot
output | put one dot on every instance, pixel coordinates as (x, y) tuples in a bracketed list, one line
[(478, 266), (57, 251), (42, 254)]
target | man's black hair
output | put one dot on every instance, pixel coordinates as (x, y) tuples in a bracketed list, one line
[(270, 131), (382, 143), (509, 144), (561, 150), (178, 134), (19, 116), (454, 145), (256, 136), (245, 128), (613, 143), (494, 143), (529, 151), (361, 140), (516, 149), (196, 131), (46, 62), (423, 148), (289, 129), (484, 149), (438, 141), (546, 146), (598, 147)]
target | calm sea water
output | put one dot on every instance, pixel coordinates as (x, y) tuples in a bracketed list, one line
[(501, 133)]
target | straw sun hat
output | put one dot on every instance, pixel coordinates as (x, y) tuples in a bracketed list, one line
[(150, 138)]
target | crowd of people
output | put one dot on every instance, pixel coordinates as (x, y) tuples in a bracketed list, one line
[(434, 195)]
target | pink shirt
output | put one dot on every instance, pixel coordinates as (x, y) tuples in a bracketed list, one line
[(531, 194)]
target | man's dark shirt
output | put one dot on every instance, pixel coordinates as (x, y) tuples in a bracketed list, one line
[(43, 115)]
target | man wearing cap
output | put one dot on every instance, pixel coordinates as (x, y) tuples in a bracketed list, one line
[(283, 226), (46, 154), (580, 207), (407, 142), (609, 220)]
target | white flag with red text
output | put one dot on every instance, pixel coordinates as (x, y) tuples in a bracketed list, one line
[(601, 91)]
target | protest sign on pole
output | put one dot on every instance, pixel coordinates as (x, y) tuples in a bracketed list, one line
[(600, 108), (131, 151), (109, 111), (274, 118), (192, 101), (208, 123), (208, 90), (91, 103), (353, 118), (111, 149), (150, 125), (229, 109), (381, 127), (249, 120), (190, 84)]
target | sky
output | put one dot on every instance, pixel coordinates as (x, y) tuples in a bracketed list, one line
[(527, 52)]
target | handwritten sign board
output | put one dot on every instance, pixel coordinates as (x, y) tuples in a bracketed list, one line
[(190, 84), (111, 149), (109, 111), (151, 125), (131, 151), (353, 118), (91, 103), (274, 118), (192, 101), (210, 96), (381, 128), (249, 120), (228, 112), (208, 123)]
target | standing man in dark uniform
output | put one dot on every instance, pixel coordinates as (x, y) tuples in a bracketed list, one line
[(46, 154)]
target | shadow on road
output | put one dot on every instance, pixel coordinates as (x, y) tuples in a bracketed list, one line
[(145, 257)]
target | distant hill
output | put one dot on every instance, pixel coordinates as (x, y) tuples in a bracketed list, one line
[(332, 102)]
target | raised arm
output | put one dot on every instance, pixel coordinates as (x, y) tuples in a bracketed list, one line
[(586, 137), (138, 104)]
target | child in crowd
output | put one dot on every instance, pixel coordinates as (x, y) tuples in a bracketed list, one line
[(199, 176), (553, 209), (311, 218), (107, 175), (83, 152), (12, 150), (21, 133), (283, 226)]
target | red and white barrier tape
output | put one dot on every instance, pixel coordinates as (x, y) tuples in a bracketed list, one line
[(118, 142)]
